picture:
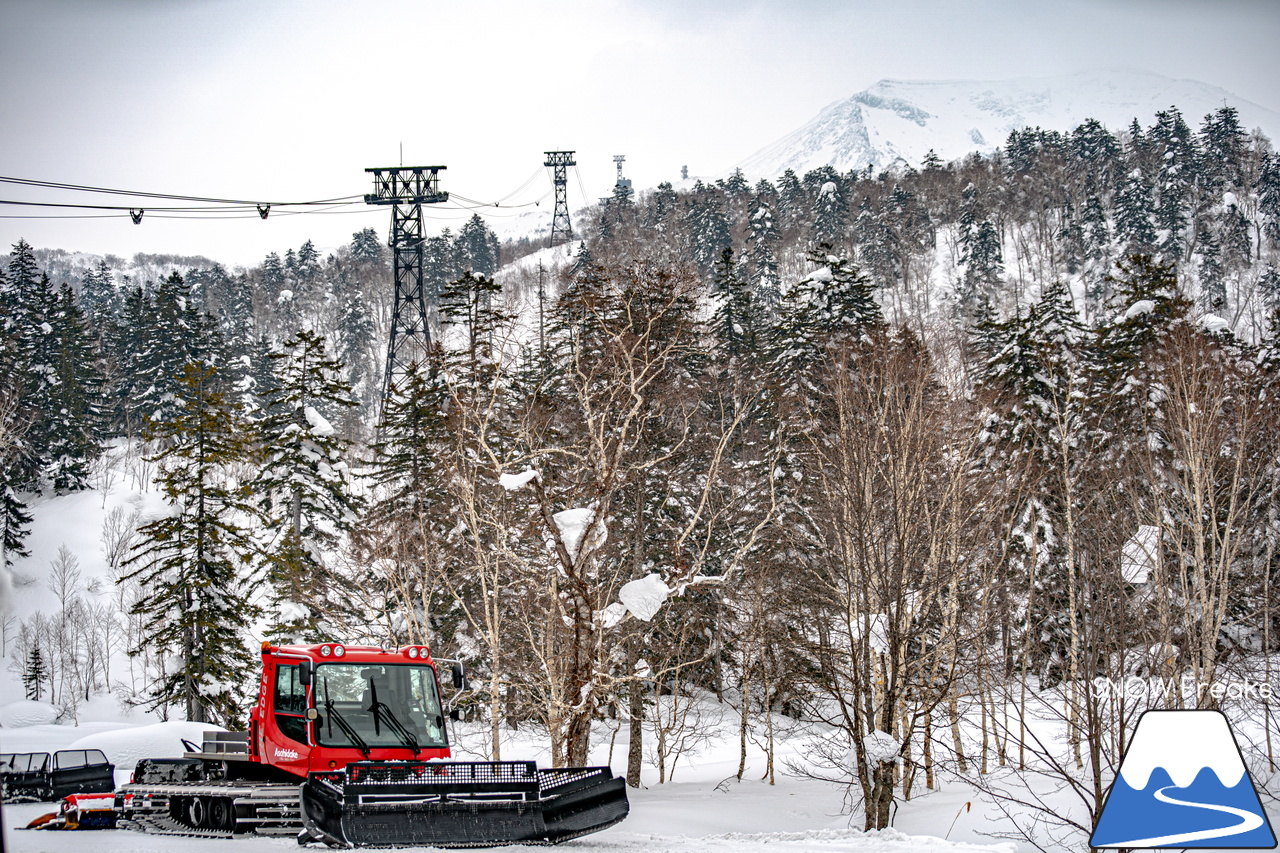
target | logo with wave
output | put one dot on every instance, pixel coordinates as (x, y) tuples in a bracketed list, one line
[(1183, 783)]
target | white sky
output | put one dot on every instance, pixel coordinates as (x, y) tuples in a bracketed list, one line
[(293, 100)]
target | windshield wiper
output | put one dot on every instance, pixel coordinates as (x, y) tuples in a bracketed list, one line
[(378, 709), (332, 714)]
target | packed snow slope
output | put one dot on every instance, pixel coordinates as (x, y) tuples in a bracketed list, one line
[(899, 121)]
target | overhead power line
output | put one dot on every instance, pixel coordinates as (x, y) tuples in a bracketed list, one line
[(209, 207), (30, 182)]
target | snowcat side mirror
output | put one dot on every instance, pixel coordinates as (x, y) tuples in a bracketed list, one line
[(455, 715), (304, 673), (459, 676)]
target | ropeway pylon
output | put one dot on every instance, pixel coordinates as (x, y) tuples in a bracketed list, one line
[(560, 161), (407, 188)]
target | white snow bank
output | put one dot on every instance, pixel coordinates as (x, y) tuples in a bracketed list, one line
[(644, 597), (511, 482), (123, 747), (25, 713)]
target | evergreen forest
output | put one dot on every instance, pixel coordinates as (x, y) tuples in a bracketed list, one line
[(905, 453)]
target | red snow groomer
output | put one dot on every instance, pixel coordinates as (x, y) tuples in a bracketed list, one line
[(348, 746)]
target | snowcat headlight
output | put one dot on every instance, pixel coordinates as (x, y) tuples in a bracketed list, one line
[(339, 651), (413, 651), (324, 651)]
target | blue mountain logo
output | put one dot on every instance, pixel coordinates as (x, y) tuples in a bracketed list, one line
[(1183, 783)]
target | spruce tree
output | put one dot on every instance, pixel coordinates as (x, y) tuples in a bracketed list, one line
[(737, 317), (31, 303), (471, 305), (763, 238), (984, 264), (1224, 142), (1134, 214), (439, 263), (174, 333), (1095, 156), (356, 345), (15, 521), (708, 227), (303, 486), (1213, 286), (98, 293), (1146, 302), (308, 266), (1179, 162), (74, 420), (792, 204), (830, 212), (35, 673), (1268, 189), (662, 205), (273, 276), (123, 341), (477, 247), (408, 524), (194, 563), (366, 247)]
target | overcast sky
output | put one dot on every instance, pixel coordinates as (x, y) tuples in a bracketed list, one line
[(291, 101)]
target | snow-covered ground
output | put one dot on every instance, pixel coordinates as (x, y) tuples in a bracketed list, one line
[(704, 810)]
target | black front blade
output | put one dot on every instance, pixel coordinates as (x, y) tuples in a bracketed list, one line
[(459, 804)]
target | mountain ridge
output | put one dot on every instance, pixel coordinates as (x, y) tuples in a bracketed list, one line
[(896, 122)]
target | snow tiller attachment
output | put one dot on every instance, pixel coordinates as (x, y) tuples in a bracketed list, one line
[(458, 804)]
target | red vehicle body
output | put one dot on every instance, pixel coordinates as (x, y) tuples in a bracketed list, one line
[(303, 690)]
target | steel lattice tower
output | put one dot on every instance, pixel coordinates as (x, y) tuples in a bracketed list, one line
[(407, 188), (560, 161)]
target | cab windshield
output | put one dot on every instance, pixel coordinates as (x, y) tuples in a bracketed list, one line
[(378, 706)]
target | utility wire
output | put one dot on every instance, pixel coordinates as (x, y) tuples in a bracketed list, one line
[(225, 208), (522, 187), (29, 182), (586, 200), (206, 208), (479, 204)]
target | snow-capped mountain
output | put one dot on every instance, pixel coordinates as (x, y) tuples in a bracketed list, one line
[(898, 121)]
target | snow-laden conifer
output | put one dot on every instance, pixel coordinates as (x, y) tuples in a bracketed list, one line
[(194, 564)]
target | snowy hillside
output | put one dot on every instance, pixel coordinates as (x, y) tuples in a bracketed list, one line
[(901, 120)]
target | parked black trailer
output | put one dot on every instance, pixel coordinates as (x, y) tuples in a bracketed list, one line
[(27, 777)]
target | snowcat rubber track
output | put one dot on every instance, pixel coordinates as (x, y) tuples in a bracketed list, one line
[(459, 804), (213, 809)]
